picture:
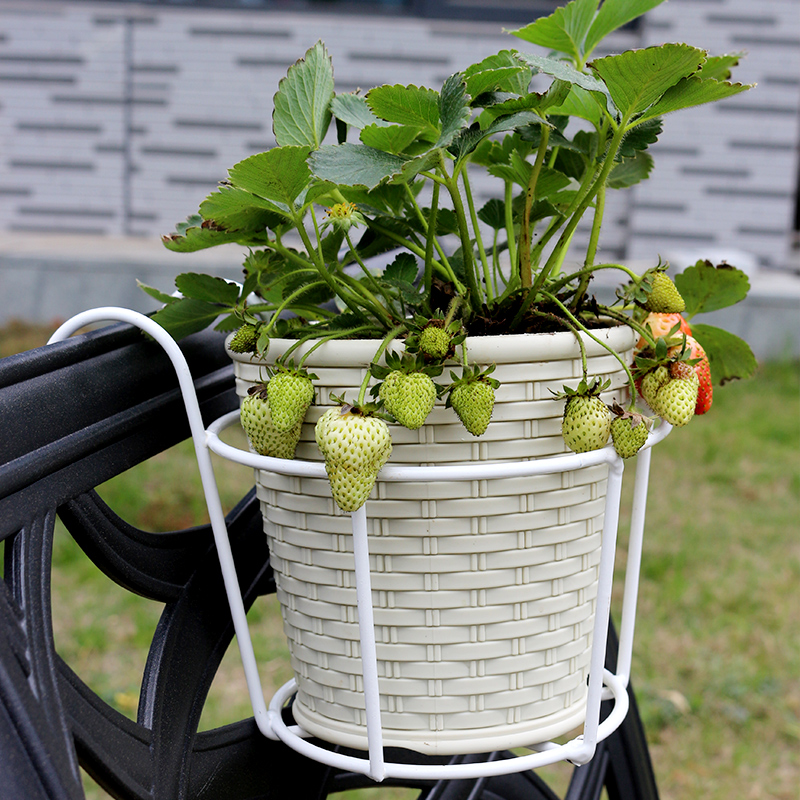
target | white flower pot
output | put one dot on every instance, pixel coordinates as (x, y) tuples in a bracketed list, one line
[(483, 591)]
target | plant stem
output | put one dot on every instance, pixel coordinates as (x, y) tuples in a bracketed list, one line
[(287, 302), (597, 185), (367, 299), (475, 294), (445, 270), (393, 334), (262, 308), (478, 239), (525, 228), (430, 241), (320, 341), (557, 285), (558, 222), (426, 224), (591, 250), (642, 330), (370, 277), (575, 321), (354, 304), (316, 233), (511, 240)]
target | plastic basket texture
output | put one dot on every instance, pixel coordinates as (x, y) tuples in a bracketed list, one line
[(483, 590)]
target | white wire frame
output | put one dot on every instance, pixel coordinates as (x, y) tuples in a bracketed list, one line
[(602, 684)]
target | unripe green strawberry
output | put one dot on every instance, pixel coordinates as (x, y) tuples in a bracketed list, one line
[(677, 398), (290, 394), (264, 438), (409, 397), (388, 389), (705, 392), (664, 297), (244, 340), (586, 424), (434, 342), (629, 432), (651, 383), (355, 447), (473, 401)]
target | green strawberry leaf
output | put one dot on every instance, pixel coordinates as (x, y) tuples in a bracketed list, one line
[(157, 294), (693, 91), (636, 79), (353, 110), (404, 268), (454, 109), (469, 138), (501, 71), (196, 238), (187, 316), (493, 214), (407, 105), (630, 171), (279, 175), (387, 137), (719, 67), (564, 30), (236, 209), (302, 104), (323, 192), (228, 324), (414, 166), (583, 104), (562, 71), (613, 14), (201, 286), (640, 137), (491, 80), (729, 356), (706, 288), (354, 164)]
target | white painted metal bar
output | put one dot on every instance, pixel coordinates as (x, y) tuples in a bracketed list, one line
[(602, 683), (605, 581), (369, 656), (633, 565), (213, 503), (546, 753), (391, 472)]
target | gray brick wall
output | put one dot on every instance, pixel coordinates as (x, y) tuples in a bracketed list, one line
[(118, 119), (726, 174)]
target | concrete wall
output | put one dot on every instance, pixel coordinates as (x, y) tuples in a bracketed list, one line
[(726, 174), (117, 119)]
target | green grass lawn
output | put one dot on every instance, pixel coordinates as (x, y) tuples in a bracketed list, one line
[(717, 650)]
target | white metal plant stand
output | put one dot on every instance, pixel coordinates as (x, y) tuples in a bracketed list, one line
[(603, 684)]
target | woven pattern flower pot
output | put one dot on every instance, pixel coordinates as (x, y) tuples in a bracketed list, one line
[(483, 590)]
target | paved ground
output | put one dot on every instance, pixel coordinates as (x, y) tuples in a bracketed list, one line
[(51, 277)]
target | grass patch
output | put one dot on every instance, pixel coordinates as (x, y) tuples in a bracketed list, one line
[(716, 656)]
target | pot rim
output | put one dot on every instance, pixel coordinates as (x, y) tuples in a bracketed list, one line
[(503, 349)]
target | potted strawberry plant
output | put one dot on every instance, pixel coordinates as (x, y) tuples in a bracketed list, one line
[(476, 338)]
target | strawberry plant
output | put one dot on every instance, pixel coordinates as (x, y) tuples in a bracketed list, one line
[(388, 174)]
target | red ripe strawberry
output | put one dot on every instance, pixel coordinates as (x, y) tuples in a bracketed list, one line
[(705, 392), (661, 324)]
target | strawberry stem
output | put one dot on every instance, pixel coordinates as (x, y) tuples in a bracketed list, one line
[(387, 340), (599, 341), (319, 341), (642, 330)]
